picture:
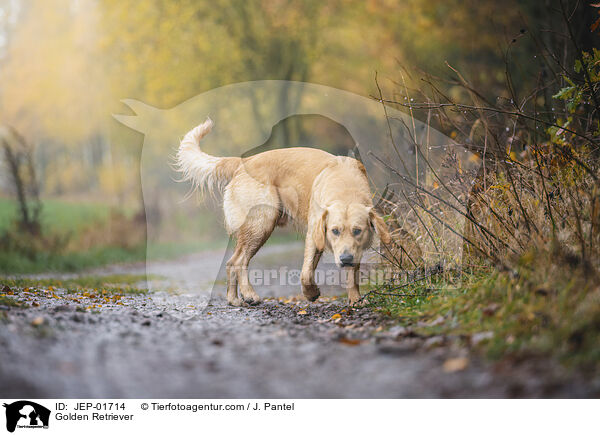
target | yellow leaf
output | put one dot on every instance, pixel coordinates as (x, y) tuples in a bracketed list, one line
[(336, 316), (302, 312), (455, 364), (349, 341), (474, 158), (37, 321)]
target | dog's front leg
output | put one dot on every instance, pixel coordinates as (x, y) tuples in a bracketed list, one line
[(351, 283), (311, 258), (232, 281)]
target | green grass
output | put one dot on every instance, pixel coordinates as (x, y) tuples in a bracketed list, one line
[(85, 282), (12, 263), (64, 217), (9, 302), (88, 286), (539, 310), (58, 215), (90, 292)]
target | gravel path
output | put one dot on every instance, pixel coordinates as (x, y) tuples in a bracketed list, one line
[(191, 344)]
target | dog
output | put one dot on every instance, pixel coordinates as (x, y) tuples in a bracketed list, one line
[(326, 194)]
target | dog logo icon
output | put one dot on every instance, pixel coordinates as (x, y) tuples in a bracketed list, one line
[(26, 414)]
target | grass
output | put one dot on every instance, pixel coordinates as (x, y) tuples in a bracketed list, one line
[(90, 293), (12, 263), (89, 289), (83, 282), (76, 218), (58, 215), (539, 309), (9, 302), (65, 217)]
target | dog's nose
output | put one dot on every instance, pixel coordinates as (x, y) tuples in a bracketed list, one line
[(346, 259)]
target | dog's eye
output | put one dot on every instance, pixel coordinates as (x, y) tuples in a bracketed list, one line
[(335, 231), (356, 231)]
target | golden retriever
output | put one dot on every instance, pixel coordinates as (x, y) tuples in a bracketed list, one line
[(329, 194)]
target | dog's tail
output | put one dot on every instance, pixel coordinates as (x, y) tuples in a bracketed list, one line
[(203, 170)]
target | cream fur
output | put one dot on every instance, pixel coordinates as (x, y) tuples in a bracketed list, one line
[(315, 189)]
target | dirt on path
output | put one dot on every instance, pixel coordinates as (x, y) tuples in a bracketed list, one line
[(192, 345)]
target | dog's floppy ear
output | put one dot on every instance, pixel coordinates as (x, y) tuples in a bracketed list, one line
[(381, 228), (319, 231)]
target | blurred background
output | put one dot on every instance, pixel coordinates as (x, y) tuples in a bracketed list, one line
[(70, 191)]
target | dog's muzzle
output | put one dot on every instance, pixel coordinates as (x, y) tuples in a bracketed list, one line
[(347, 260)]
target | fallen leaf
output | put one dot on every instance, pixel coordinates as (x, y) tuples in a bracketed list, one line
[(455, 364), (37, 321), (349, 341), (302, 312), (336, 316)]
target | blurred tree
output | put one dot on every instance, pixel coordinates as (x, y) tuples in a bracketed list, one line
[(64, 65), (18, 154), (169, 52)]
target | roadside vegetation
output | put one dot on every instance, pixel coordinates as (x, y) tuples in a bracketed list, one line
[(528, 280), (76, 235)]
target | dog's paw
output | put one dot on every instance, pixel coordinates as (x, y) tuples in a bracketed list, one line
[(311, 293), (252, 299), (236, 302)]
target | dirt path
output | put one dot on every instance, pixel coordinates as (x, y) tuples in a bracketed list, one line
[(178, 344)]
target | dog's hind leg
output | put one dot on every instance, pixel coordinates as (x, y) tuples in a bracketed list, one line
[(252, 235), (251, 212)]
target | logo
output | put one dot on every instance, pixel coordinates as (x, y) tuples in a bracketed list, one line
[(26, 414)]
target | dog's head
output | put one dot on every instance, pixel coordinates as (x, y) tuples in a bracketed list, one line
[(347, 229)]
